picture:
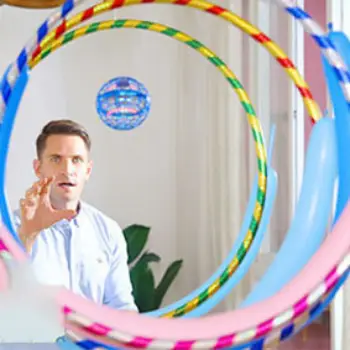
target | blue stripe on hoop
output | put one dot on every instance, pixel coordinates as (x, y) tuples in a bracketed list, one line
[(343, 76), (287, 331), (42, 31), (22, 60), (298, 13), (67, 7), (6, 90), (322, 41)]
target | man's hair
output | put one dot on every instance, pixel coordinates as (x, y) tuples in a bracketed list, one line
[(61, 127)]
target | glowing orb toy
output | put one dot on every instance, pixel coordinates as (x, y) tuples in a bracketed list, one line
[(123, 103)]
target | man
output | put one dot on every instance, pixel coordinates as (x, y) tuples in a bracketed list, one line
[(70, 242)]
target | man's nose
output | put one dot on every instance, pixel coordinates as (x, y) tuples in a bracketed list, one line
[(67, 167)]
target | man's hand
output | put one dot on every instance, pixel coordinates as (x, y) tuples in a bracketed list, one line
[(37, 213)]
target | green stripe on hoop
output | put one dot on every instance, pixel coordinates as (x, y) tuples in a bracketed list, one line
[(235, 83), (46, 52), (93, 28), (170, 32), (248, 108), (224, 277), (261, 196), (194, 44), (217, 61), (261, 166), (144, 25), (180, 311), (119, 23), (68, 37), (203, 296)]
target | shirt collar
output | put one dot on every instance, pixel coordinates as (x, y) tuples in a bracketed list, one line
[(77, 220), (80, 213)]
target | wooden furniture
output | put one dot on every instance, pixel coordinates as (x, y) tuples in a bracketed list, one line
[(33, 4)]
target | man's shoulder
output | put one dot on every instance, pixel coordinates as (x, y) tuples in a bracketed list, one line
[(106, 222), (93, 211)]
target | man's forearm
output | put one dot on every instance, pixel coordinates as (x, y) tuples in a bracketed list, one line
[(27, 238)]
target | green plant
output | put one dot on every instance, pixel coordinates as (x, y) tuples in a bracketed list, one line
[(147, 295)]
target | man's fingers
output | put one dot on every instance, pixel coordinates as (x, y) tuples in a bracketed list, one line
[(25, 207), (22, 203), (34, 190), (46, 186), (45, 191), (64, 214), (27, 203)]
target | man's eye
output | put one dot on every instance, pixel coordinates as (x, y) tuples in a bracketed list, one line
[(55, 159), (77, 160)]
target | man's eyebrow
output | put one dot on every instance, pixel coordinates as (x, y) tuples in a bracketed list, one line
[(60, 155)]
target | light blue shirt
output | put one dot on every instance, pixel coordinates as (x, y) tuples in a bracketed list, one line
[(87, 255)]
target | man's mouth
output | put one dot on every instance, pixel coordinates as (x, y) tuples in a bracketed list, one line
[(67, 184)]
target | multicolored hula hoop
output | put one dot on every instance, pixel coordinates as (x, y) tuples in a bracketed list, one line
[(186, 334), (247, 106), (44, 47), (251, 116)]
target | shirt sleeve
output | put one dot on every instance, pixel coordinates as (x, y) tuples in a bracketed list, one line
[(118, 288), (16, 219)]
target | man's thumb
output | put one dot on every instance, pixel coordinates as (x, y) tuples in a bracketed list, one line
[(66, 214)]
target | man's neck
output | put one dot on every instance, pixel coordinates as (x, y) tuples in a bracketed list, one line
[(67, 205)]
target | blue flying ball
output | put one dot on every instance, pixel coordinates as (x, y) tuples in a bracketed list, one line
[(123, 103)]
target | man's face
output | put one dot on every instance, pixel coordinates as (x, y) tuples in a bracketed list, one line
[(67, 159)]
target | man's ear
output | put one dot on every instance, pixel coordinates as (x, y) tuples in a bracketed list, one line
[(36, 167), (89, 169)]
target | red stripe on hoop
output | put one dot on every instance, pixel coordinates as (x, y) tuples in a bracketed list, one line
[(261, 38), (216, 10)]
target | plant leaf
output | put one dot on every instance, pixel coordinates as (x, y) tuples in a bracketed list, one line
[(142, 279), (134, 278), (136, 237), (166, 282), (149, 257)]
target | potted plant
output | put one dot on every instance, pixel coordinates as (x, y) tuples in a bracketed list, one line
[(148, 296)]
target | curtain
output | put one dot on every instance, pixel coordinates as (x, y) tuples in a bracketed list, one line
[(215, 150), (209, 152)]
